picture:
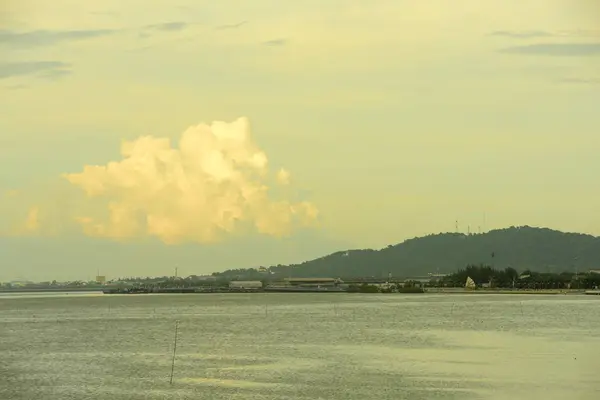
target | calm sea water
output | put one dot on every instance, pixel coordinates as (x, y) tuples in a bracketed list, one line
[(299, 346)]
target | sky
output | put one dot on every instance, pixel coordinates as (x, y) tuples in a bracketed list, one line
[(137, 137)]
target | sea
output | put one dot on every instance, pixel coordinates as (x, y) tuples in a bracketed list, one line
[(60, 346)]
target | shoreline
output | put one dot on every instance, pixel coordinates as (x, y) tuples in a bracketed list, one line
[(437, 291)]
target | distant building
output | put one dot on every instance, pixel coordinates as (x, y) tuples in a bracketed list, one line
[(419, 279), (436, 275), (245, 285), (101, 279), (413, 282), (312, 281), (20, 283), (208, 278), (384, 285)]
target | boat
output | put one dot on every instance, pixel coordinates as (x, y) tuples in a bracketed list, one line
[(470, 283), (593, 292)]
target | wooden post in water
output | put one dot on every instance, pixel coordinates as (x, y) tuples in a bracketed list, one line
[(174, 352), (266, 310)]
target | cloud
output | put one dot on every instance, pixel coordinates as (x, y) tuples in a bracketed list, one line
[(30, 226), (44, 69), (48, 38), (231, 26), (556, 49), (283, 177), (275, 42), (215, 183), (163, 28), (169, 26), (12, 222), (55, 74), (32, 222)]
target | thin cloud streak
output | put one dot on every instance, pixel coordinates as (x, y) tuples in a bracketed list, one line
[(45, 69), (231, 26), (522, 34), (533, 34), (580, 81), (275, 42), (555, 49), (47, 38), (16, 87)]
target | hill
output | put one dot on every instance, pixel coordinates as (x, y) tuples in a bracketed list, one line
[(522, 248)]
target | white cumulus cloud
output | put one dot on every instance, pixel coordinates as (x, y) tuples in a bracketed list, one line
[(215, 182), (283, 176)]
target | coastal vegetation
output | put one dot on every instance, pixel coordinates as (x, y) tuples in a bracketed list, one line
[(391, 288), (486, 276)]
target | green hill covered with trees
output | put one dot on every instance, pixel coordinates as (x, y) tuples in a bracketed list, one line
[(522, 248)]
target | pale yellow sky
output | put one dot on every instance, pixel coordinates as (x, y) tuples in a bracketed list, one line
[(359, 124)]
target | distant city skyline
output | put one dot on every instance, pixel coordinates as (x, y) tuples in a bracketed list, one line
[(215, 135)]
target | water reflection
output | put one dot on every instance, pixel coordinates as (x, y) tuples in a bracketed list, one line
[(276, 346)]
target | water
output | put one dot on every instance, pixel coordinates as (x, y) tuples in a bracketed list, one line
[(299, 346)]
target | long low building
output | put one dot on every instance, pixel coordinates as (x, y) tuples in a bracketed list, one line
[(245, 285), (312, 281)]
